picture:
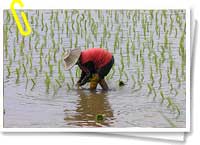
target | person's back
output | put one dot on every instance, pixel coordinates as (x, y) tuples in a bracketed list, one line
[(100, 57)]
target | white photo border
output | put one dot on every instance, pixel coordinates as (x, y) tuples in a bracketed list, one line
[(82, 4)]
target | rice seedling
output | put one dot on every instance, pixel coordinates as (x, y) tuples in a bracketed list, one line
[(72, 25), (156, 25), (17, 34), (36, 72), (160, 79), (41, 64), (138, 73), (51, 18), (155, 94), (176, 33), (150, 88), (33, 84), (22, 48), (127, 47), (126, 76), (59, 67), (58, 82), (138, 39), (78, 72), (116, 42), (133, 48), (121, 83), (165, 25), (29, 43), (42, 21), (101, 44), (104, 31), (139, 85), (133, 79), (95, 30), (32, 20), (163, 97), (8, 16), (177, 78), (122, 63), (17, 71), (178, 110), (52, 33), (85, 26), (76, 42), (144, 26), (10, 60), (10, 29), (57, 20), (168, 75), (36, 22), (170, 102), (45, 41), (46, 28), (53, 43), (47, 82), (68, 86), (37, 43), (171, 24), (171, 88), (50, 69), (163, 54), (77, 25), (137, 58), (116, 17), (27, 59), (182, 53), (120, 73), (9, 71), (24, 68), (71, 41), (156, 62), (72, 77), (5, 41), (151, 14), (151, 76), (55, 90), (31, 63), (113, 72), (41, 50), (166, 39), (176, 92)]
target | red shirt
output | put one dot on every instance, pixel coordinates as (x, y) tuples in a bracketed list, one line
[(99, 56)]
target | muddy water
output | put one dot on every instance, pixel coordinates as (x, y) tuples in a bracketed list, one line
[(78, 108), (127, 106)]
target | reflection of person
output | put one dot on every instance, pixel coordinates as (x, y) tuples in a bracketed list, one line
[(89, 106), (95, 64)]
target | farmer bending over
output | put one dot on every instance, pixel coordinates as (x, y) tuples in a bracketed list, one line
[(95, 64)]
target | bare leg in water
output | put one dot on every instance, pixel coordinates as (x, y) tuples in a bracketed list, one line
[(103, 84), (94, 82)]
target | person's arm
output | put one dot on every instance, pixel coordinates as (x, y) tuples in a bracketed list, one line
[(90, 67), (81, 78)]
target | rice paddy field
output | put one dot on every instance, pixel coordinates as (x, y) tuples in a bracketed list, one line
[(147, 82)]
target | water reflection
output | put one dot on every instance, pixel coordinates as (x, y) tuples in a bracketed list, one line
[(89, 105)]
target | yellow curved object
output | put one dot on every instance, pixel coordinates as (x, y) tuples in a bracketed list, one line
[(19, 25)]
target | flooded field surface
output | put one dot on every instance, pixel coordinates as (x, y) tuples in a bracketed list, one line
[(147, 82)]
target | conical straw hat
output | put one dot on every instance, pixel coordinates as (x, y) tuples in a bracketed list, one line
[(71, 57)]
